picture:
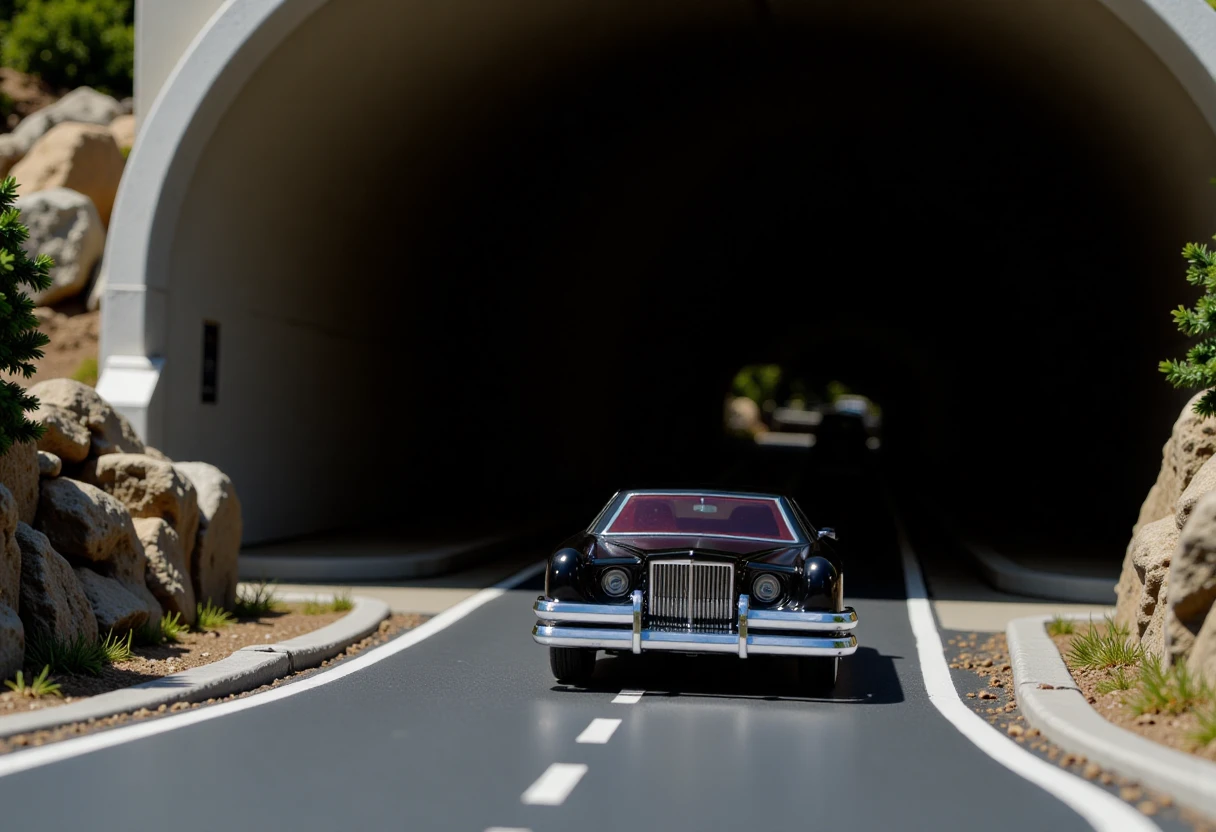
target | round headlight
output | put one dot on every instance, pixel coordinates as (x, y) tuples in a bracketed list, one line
[(615, 582), (766, 588)]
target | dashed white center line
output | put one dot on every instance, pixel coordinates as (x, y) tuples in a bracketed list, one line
[(628, 697), (599, 731), (555, 785)]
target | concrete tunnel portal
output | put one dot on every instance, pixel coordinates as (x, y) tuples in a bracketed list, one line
[(510, 252)]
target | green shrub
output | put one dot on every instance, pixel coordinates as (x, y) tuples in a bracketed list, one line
[(20, 341), (211, 617), (1061, 626), (1108, 646), (79, 655), (38, 687), (69, 43)]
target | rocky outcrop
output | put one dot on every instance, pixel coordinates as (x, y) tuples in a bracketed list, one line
[(65, 436), (19, 474), (115, 607), (65, 225), (1192, 579), (12, 642), (82, 157), (148, 487), (1145, 572), (49, 465), (218, 543), (110, 432), (1192, 442), (168, 573), (52, 600)]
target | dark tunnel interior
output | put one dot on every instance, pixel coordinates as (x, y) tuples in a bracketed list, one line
[(601, 253)]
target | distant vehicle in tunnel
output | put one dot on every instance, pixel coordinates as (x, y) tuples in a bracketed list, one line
[(692, 571)]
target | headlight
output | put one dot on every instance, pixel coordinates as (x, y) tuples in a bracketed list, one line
[(615, 582), (766, 588)]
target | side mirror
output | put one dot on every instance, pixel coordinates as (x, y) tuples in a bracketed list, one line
[(827, 532)]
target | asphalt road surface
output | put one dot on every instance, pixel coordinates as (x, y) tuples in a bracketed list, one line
[(467, 730)]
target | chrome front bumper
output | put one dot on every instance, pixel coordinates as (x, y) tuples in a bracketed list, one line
[(626, 632)]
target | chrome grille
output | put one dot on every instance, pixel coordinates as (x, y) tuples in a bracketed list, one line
[(691, 596)]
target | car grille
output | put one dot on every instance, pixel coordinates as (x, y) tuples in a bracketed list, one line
[(691, 596)]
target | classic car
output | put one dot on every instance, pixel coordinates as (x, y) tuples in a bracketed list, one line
[(696, 572)]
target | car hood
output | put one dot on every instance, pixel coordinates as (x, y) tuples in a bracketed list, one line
[(734, 548)]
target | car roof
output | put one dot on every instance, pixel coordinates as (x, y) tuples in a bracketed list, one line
[(705, 491)]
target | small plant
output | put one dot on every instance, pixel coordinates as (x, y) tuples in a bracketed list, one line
[(37, 687), (1207, 726), (78, 655), (343, 602), (1117, 681), (1061, 626), (314, 607), (1172, 690), (256, 600), (86, 372), (211, 617), (1104, 647), (171, 628), (116, 648), (1198, 369)]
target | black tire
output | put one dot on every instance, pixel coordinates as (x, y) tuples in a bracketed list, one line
[(818, 674), (572, 665)]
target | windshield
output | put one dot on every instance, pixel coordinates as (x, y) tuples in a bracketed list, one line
[(674, 514)]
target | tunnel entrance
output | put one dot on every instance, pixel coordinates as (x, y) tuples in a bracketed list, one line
[(566, 251)]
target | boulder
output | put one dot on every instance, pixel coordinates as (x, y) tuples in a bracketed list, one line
[(19, 473), (52, 600), (168, 573), (123, 131), (1192, 579), (49, 465), (11, 151), (1146, 567), (82, 157), (218, 543), (83, 105), (10, 552), (110, 432), (1202, 659), (12, 642), (86, 523), (148, 487), (1203, 482), (65, 225), (65, 436), (1192, 442), (115, 607)]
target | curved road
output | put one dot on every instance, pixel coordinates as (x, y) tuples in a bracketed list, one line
[(450, 733)]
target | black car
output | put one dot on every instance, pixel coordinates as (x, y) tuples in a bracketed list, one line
[(696, 572)]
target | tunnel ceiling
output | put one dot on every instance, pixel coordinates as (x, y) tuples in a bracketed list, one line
[(572, 241)]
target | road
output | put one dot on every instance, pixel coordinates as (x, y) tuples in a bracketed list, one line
[(451, 733)]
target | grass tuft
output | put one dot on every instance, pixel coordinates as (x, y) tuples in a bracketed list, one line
[(1061, 626), (1207, 726), (171, 628), (343, 602), (211, 617), (314, 607), (37, 687), (116, 648), (256, 600), (1101, 647), (79, 655), (86, 372), (1118, 681), (1172, 690)]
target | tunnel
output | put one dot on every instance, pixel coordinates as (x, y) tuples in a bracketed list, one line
[(475, 262)]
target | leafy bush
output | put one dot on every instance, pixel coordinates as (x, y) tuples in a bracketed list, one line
[(1108, 646), (79, 655), (38, 687), (73, 42), (20, 341)]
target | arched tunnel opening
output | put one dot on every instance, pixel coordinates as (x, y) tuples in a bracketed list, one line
[(530, 284)]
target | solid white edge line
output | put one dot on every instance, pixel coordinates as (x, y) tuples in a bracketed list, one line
[(554, 786), (599, 731), (1102, 810), (17, 761), (628, 697)]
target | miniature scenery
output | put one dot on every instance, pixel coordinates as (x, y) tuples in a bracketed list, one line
[(583, 434)]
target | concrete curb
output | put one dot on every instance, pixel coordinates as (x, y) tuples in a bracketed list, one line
[(336, 568), (1007, 575), (1063, 715), (246, 669)]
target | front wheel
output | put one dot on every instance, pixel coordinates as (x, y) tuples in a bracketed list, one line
[(572, 665), (818, 674)]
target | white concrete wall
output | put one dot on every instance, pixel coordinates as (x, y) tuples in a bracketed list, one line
[(164, 30)]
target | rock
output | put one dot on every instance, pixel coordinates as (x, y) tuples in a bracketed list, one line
[(1202, 658), (12, 642), (1192, 579), (10, 552), (65, 225), (86, 523), (743, 415), (49, 465), (11, 151), (97, 289), (214, 561), (110, 432), (82, 157), (52, 600), (148, 487), (82, 105), (168, 573), (1146, 567), (123, 131), (65, 436), (127, 106), (114, 606), (1192, 442), (1203, 482), (156, 454), (19, 473)]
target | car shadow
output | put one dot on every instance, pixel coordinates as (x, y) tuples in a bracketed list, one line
[(865, 678)]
